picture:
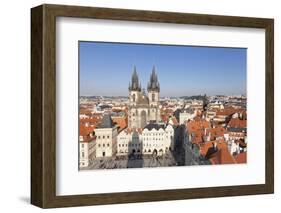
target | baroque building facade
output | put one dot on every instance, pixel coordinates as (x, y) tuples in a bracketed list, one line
[(106, 138), (86, 150), (154, 139), (143, 108)]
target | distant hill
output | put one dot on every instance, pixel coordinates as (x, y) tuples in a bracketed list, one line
[(194, 97)]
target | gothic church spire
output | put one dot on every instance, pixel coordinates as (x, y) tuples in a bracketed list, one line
[(135, 83), (153, 84)]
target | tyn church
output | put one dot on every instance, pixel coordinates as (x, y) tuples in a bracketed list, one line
[(143, 108)]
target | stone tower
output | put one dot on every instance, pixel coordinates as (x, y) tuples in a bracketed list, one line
[(153, 88), (134, 88), (143, 109)]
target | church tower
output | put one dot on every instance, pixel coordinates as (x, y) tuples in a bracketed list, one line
[(134, 95), (153, 88), (134, 88)]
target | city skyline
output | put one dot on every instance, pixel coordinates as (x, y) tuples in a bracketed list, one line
[(105, 69)]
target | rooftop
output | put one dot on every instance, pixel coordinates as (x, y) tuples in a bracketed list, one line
[(241, 157), (238, 129), (236, 122), (154, 126), (106, 122)]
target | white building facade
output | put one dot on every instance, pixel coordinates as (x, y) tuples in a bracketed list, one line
[(86, 150), (153, 139), (106, 138), (158, 139), (187, 115), (129, 141)]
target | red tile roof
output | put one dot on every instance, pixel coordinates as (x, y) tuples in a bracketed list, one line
[(237, 123), (195, 125), (88, 125), (197, 129), (225, 157), (92, 119), (241, 157), (218, 131), (88, 139), (221, 156), (226, 111), (86, 130), (122, 122)]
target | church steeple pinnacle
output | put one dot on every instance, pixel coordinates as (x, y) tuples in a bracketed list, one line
[(153, 84), (135, 84)]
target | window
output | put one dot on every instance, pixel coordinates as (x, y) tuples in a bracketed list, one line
[(103, 145), (108, 136), (99, 145), (108, 144), (98, 137), (103, 136), (82, 145), (83, 154), (153, 97), (134, 97)]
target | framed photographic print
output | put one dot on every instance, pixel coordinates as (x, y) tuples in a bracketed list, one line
[(136, 106)]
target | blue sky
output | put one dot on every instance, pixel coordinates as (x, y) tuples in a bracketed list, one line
[(106, 68)]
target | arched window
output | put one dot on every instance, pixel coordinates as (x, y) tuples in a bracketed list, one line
[(153, 97), (134, 97)]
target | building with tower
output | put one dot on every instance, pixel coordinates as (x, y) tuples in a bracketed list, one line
[(143, 108), (106, 138)]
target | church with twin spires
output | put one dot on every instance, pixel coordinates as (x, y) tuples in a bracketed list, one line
[(143, 108)]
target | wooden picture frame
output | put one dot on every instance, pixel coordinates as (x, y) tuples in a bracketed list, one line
[(43, 105)]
